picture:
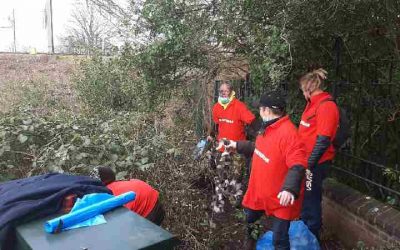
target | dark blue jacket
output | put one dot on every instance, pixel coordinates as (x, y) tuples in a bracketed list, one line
[(37, 197)]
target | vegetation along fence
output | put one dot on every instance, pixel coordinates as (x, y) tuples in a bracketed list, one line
[(369, 91)]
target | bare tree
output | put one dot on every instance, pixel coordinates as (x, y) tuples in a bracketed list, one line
[(126, 18), (89, 31)]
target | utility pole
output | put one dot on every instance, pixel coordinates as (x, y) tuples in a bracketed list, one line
[(13, 25), (49, 26)]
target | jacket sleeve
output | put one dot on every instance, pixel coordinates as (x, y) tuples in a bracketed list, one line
[(245, 115), (319, 149), (294, 179), (253, 128), (246, 148), (215, 114), (296, 163)]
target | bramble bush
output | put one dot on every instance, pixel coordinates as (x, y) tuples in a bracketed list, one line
[(31, 144)]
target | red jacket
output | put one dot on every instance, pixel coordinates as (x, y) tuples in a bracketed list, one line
[(146, 196), (232, 120), (319, 119), (277, 150)]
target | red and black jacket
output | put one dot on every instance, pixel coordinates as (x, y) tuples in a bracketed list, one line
[(319, 122), (278, 164)]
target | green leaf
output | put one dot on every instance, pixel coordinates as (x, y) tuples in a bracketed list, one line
[(86, 141), (144, 160), (145, 167), (80, 156), (22, 138), (144, 152), (27, 122), (121, 175), (114, 157), (177, 153)]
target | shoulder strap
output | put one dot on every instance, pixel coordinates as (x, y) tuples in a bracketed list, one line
[(329, 99)]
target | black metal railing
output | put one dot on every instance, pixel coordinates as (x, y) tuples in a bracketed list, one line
[(369, 91)]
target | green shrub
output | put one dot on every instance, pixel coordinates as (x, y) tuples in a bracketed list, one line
[(32, 145), (111, 83)]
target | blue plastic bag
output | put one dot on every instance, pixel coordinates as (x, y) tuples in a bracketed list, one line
[(88, 212), (88, 200), (198, 151), (300, 238)]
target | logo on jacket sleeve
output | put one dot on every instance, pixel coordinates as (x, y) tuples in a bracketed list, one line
[(309, 177), (261, 155), (305, 124), (225, 120)]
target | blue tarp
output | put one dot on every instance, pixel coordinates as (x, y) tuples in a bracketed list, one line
[(87, 212), (300, 238)]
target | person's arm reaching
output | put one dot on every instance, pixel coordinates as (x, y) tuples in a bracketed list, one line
[(243, 147)]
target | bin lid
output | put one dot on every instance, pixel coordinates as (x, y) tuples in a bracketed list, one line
[(124, 230)]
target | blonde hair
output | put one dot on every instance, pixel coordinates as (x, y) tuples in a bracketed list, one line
[(313, 80)]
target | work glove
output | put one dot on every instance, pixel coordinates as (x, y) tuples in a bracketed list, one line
[(229, 144)]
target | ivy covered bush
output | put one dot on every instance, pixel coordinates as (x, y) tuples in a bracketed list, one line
[(31, 145)]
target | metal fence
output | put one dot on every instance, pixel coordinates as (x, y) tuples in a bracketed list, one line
[(369, 91)]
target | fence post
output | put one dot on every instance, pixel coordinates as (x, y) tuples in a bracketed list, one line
[(216, 88), (338, 50)]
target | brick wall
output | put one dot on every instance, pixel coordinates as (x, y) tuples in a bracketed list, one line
[(355, 217)]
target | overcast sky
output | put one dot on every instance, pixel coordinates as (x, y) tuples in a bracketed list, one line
[(30, 28)]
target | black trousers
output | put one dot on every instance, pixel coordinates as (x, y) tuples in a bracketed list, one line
[(311, 212), (156, 215), (280, 228)]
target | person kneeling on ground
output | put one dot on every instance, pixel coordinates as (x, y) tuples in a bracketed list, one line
[(146, 203), (277, 172)]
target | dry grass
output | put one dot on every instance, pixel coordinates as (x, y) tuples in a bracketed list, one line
[(40, 81)]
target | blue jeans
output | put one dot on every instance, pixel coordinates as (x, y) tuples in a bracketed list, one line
[(280, 228), (311, 212)]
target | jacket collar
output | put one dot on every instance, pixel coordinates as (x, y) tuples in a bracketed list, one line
[(231, 100), (275, 124), (279, 122), (319, 97)]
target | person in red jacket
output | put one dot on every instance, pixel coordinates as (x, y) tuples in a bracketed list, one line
[(276, 179), (230, 115), (146, 203), (317, 129)]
